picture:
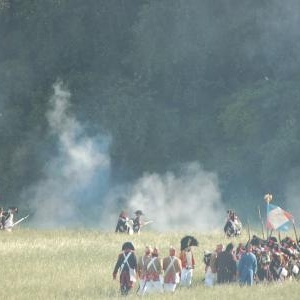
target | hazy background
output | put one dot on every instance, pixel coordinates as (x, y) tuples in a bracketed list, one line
[(75, 190), (183, 109)]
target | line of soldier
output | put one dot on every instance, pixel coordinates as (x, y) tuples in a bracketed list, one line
[(153, 274), (255, 262)]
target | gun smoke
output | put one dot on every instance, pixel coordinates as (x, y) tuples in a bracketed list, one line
[(57, 199), (188, 200), (75, 189)]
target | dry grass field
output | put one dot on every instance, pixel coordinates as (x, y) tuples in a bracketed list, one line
[(78, 264)]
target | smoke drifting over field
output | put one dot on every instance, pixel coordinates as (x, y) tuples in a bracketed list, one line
[(75, 189), (188, 200), (59, 199)]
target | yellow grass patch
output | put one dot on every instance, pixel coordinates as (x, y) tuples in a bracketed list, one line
[(70, 264)]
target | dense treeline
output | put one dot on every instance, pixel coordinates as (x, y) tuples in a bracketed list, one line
[(171, 81)]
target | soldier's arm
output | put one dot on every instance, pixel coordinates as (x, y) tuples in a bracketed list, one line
[(117, 265)]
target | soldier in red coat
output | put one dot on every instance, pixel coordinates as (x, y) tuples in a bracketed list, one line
[(142, 269), (172, 268), (187, 259), (153, 283)]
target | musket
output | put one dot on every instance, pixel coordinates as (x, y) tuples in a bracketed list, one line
[(271, 232), (146, 223), (19, 221), (248, 229), (279, 237), (262, 223)]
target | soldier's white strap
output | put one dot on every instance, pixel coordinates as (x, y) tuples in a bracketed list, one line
[(125, 261), (151, 263), (171, 264)]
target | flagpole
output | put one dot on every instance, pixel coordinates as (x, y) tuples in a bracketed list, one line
[(262, 223), (268, 197), (271, 232), (296, 236), (248, 228), (279, 237)]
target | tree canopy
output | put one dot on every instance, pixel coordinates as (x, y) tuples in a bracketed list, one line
[(170, 82)]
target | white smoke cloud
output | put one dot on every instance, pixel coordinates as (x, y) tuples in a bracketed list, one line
[(56, 198), (186, 199), (189, 200)]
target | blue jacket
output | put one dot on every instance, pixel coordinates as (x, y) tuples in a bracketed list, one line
[(247, 268)]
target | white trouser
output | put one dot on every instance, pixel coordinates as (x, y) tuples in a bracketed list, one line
[(153, 287), (186, 277), (210, 277), (142, 287), (169, 287)]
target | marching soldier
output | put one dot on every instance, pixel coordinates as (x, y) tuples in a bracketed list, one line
[(172, 268), (187, 259), (154, 272), (126, 265), (142, 269)]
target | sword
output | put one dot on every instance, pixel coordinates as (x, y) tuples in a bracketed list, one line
[(19, 221)]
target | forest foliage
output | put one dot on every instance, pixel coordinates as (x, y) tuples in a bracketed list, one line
[(171, 82)]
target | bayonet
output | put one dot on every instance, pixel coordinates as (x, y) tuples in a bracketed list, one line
[(19, 221)]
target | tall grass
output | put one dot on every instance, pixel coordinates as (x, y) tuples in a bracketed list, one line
[(78, 264)]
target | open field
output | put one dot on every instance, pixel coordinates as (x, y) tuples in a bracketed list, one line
[(78, 264)]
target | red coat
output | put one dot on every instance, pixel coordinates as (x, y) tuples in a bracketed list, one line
[(184, 259)]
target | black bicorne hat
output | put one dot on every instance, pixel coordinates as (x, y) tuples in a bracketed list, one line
[(128, 245), (188, 241)]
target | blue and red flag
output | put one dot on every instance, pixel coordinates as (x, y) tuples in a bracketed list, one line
[(277, 218)]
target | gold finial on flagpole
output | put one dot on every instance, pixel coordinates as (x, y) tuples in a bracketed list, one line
[(268, 197)]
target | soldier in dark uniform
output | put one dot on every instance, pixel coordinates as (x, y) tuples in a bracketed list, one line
[(137, 222), (122, 225), (233, 224), (2, 218), (126, 265), (226, 265), (8, 218)]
